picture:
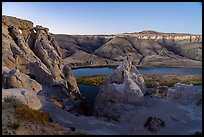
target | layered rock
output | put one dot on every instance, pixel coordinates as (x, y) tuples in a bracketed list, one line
[(31, 59), (35, 53), (149, 48), (124, 88), (17, 54), (184, 94)]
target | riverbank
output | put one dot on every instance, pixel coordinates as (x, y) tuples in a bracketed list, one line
[(138, 66), (164, 79)]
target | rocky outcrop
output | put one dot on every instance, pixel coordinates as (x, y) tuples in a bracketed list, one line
[(159, 91), (47, 50), (17, 54), (35, 53), (184, 94), (15, 79), (124, 88), (32, 60), (27, 97), (71, 82)]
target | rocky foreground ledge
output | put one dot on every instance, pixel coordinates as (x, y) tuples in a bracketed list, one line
[(124, 100), (123, 106)]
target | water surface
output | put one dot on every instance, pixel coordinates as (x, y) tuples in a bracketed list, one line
[(90, 92), (143, 70)]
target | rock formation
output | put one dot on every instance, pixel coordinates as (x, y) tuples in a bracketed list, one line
[(184, 94), (159, 91), (124, 88), (31, 59), (27, 97), (15, 79)]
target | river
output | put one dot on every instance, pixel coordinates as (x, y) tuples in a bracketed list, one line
[(90, 92)]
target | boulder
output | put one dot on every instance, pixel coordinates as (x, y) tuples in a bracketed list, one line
[(27, 97), (184, 94), (153, 124), (15, 79), (124, 88), (133, 93)]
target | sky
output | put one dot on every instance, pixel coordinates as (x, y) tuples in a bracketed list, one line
[(109, 17)]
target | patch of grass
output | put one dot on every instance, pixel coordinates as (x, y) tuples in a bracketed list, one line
[(16, 124), (101, 66), (80, 133), (26, 113), (170, 79), (164, 79), (92, 80)]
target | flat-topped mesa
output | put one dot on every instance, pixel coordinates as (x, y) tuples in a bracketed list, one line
[(153, 35), (125, 88)]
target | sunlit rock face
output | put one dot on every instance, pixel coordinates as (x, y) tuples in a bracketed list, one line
[(184, 94), (27, 97), (34, 54), (125, 88), (31, 59)]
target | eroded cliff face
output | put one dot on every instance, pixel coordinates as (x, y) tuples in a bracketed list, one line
[(31, 59), (148, 48)]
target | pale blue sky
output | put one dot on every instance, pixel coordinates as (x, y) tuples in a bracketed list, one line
[(110, 17)]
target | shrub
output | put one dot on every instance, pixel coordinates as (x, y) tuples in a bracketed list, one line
[(16, 124), (26, 113)]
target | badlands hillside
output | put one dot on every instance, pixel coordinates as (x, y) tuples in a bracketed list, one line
[(148, 48)]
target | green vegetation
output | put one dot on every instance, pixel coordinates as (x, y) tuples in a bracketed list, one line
[(170, 79), (26, 113), (164, 79), (101, 66), (16, 124), (20, 114), (92, 80)]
